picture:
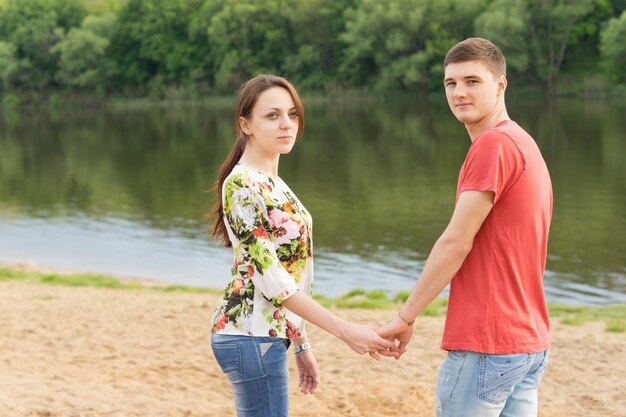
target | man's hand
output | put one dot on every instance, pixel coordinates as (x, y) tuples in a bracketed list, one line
[(396, 329)]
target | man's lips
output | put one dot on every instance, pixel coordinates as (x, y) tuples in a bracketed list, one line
[(462, 105)]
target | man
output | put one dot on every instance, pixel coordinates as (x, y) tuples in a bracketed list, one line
[(493, 251)]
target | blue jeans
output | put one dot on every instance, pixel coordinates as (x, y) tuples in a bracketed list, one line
[(471, 384), (257, 370)]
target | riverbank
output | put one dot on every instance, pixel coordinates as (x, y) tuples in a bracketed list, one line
[(96, 346)]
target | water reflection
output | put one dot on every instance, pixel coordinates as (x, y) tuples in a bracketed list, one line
[(125, 191)]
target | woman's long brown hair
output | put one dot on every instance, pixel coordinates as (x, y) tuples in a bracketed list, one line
[(246, 99)]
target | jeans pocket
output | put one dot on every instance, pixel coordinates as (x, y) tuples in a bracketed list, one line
[(458, 353), (499, 374), (228, 356)]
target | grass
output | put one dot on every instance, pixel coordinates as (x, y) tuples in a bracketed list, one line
[(92, 280), (378, 300), (614, 316)]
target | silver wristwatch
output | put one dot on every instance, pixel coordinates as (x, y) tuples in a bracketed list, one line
[(302, 348)]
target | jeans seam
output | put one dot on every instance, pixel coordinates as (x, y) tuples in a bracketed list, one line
[(260, 358), (543, 364), (452, 403)]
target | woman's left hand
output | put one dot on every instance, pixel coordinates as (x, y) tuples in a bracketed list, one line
[(309, 372)]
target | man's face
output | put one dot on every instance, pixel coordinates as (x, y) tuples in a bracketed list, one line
[(473, 92)]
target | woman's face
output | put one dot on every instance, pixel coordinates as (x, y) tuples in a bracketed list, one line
[(274, 121)]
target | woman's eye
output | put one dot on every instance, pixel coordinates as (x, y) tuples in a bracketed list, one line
[(272, 116), (293, 115)]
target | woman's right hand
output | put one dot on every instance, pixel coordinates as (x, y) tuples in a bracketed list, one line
[(362, 339)]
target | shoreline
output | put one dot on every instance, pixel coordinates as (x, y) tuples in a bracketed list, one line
[(614, 315), (107, 351)]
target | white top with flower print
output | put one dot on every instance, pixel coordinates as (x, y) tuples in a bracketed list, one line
[(271, 234)]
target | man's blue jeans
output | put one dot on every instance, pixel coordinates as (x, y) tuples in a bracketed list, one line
[(473, 384), (257, 370)]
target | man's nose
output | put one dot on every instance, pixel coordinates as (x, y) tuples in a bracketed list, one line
[(459, 91)]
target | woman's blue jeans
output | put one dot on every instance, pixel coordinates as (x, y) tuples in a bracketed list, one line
[(257, 370)]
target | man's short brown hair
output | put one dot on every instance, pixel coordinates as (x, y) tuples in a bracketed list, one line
[(477, 49)]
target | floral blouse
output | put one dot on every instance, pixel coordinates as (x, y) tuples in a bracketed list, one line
[(271, 234)]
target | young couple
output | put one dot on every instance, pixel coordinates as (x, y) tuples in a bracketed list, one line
[(493, 252)]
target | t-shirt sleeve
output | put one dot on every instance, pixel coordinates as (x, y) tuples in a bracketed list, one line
[(246, 215), (493, 163)]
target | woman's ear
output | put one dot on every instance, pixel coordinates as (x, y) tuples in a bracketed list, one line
[(244, 125)]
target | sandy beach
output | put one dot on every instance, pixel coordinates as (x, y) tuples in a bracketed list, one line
[(79, 351)]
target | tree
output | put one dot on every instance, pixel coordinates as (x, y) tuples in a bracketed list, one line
[(537, 32), (399, 44), (505, 22), (246, 37), (152, 38), (613, 47), (315, 27), (8, 65), (83, 62), (34, 27)]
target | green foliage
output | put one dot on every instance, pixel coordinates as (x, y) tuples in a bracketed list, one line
[(8, 65), (505, 22), (612, 315), (536, 35), (92, 280), (402, 296), (183, 48), (377, 299), (317, 54), (69, 13), (613, 47), (616, 326), (245, 37), (400, 44), (10, 101), (34, 27), (436, 308), (82, 54), (151, 38)]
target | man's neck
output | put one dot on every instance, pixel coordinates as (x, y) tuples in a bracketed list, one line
[(491, 121)]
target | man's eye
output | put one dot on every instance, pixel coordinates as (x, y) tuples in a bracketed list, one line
[(450, 84)]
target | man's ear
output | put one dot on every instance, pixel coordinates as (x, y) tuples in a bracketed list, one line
[(502, 83), (244, 125)]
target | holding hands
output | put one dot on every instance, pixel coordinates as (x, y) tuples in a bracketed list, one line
[(363, 338), (400, 330)]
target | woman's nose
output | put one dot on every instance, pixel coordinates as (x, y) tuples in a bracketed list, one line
[(285, 122)]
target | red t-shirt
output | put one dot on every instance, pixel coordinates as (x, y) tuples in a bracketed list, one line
[(497, 303)]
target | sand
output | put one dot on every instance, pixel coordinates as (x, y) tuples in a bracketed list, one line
[(75, 351)]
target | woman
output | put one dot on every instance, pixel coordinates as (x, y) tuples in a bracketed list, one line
[(266, 304)]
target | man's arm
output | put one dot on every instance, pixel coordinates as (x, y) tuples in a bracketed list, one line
[(444, 260), (449, 251)]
